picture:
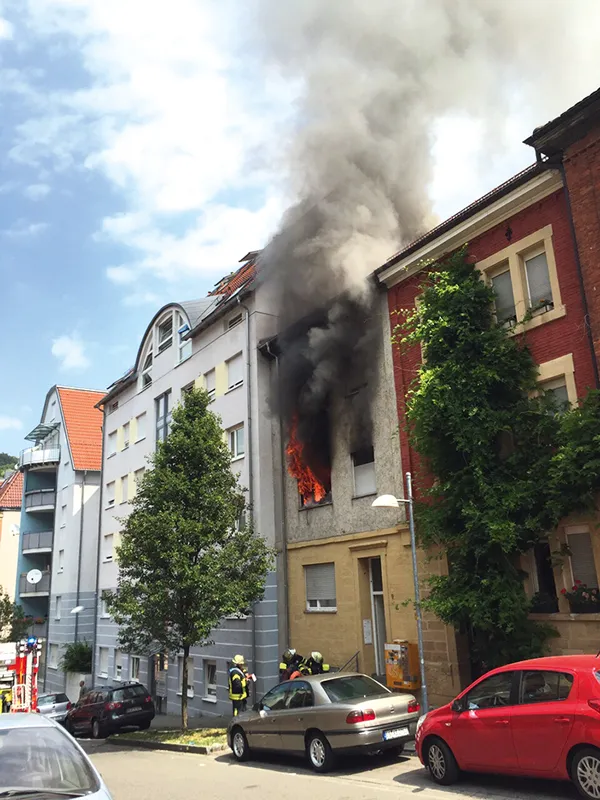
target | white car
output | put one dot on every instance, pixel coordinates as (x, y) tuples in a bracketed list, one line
[(39, 758)]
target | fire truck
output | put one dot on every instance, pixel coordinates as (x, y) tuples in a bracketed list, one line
[(19, 668)]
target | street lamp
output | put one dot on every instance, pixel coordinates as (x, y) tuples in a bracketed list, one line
[(389, 501)]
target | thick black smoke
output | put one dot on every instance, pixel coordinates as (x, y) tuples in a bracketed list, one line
[(371, 78)]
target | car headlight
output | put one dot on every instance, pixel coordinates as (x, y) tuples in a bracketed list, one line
[(420, 721)]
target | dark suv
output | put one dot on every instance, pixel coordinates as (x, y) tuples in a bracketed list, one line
[(107, 708)]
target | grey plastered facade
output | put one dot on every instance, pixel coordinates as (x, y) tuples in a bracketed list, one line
[(213, 344)]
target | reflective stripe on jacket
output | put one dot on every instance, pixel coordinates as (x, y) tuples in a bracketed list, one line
[(238, 684)]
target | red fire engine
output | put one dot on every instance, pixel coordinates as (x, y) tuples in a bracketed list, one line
[(22, 660)]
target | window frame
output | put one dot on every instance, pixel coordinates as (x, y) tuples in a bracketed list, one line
[(577, 530), (103, 673), (107, 557), (163, 343), (281, 687), (240, 382), (212, 393), (135, 663), (143, 416), (183, 327), (110, 501), (126, 434), (495, 272), (562, 368), (146, 371), (124, 479), (233, 440), (210, 689), (319, 609), (53, 653), (162, 421), (513, 696), (57, 607), (111, 443), (515, 254), (235, 320), (355, 493), (118, 664)]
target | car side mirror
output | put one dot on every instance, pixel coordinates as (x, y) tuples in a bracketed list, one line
[(458, 706)]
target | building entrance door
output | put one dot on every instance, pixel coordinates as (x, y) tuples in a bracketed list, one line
[(378, 614)]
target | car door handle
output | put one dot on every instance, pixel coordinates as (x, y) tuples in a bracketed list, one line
[(562, 720), (502, 722)]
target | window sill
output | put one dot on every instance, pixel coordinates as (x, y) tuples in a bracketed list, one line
[(125, 447), (539, 319), (108, 508), (183, 360), (103, 674), (107, 560), (238, 458), (209, 699), (316, 505), (141, 439), (123, 502), (233, 388), (362, 496), (60, 571), (64, 525), (117, 679), (105, 616), (56, 619), (111, 455), (565, 616), (52, 666), (189, 694), (320, 611)]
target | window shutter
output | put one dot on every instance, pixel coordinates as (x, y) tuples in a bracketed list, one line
[(582, 558), (538, 279), (235, 371), (320, 581)]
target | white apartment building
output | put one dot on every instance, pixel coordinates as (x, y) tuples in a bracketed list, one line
[(210, 343), (59, 524)]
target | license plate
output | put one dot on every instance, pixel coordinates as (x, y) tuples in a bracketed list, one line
[(134, 709), (397, 733)]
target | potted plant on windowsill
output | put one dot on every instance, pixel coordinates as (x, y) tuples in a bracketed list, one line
[(583, 600)]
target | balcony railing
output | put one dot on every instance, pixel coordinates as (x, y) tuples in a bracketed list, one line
[(38, 456), (41, 588), (37, 541), (40, 498)]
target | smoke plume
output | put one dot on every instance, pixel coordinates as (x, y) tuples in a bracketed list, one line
[(373, 78)]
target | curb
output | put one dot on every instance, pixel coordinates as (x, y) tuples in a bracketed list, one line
[(173, 748)]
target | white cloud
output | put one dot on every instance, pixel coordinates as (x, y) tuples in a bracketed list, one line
[(6, 29), (10, 423), (142, 299), (165, 123), (37, 191), (70, 352), (22, 229)]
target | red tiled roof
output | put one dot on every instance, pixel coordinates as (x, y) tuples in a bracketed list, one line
[(227, 286), (83, 426), (11, 491)]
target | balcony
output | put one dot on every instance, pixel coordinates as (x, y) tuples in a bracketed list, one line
[(41, 589), (40, 500), (37, 542), (39, 457)]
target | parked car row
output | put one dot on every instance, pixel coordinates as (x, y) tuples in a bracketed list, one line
[(101, 711)]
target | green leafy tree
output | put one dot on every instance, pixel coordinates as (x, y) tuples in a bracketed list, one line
[(184, 561), (13, 623), (508, 465), (7, 463)]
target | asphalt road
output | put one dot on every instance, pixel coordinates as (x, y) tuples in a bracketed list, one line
[(153, 775)]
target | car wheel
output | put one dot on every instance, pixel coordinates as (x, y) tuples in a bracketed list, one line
[(585, 773), (441, 763), (239, 745), (319, 753), (97, 732)]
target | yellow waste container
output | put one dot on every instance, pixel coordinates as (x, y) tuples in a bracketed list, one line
[(402, 669)]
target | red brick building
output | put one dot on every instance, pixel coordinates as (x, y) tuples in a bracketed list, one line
[(521, 236)]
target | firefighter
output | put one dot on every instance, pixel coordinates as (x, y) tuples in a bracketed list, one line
[(314, 665), (238, 685), (289, 664)]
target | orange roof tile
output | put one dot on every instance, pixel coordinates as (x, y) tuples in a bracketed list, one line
[(231, 283), (11, 491), (83, 426)]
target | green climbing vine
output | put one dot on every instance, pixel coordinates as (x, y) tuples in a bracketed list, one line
[(508, 464)]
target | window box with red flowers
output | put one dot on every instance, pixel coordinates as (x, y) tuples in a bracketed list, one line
[(582, 599)]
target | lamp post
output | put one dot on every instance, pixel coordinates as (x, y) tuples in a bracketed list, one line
[(389, 501)]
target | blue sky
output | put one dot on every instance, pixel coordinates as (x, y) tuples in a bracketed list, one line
[(139, 161)]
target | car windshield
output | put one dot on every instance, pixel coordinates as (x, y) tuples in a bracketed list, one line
[(43, 758), (46, 699), (352, 687)]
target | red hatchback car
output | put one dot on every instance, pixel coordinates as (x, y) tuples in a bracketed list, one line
[(539, 718)]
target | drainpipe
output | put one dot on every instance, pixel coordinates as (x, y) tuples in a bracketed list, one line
[(79, 556), (250, 459), (284, 538), (97, 589), (584, 302)]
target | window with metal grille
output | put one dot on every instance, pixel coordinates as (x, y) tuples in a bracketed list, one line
[(320, 587)]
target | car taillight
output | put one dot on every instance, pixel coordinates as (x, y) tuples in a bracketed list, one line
[(69, 706), (595, 704), (413, 708), (113, 706), (367, 715), (148, 699)]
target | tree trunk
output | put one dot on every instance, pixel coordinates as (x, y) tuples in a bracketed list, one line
[(184, 685)]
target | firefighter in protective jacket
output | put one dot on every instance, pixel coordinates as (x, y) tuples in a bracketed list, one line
[(313, 665), (238, 685)]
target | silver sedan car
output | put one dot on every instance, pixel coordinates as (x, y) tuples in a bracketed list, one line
[(324, 715), (39, 758), (54, 705)]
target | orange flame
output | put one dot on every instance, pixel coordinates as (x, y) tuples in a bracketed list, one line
[(309, 486)]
